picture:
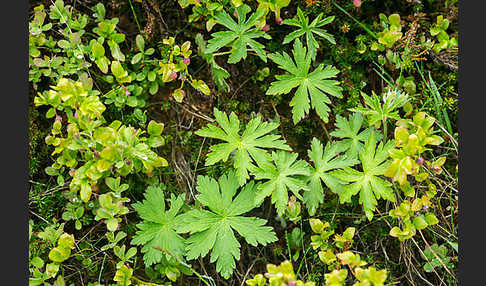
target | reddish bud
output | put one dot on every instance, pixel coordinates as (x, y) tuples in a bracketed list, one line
[(127, 93), (76, 114), (71, 172), (420, 160), (357, 3), (173, 75), (435, 168), (58, 118), (292, 283), (96, 154), (279, 21), (266, 28), (186, 61)]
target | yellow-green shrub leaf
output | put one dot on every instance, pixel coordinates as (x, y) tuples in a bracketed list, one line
[(154, 128)]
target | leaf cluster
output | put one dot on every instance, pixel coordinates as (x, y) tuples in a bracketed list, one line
[(240, 36), (248, 146), (313, 87), (214, 228)]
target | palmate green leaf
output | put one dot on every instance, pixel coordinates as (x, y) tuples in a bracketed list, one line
[(283, 174), (316, 84), (214, 229), (158, 226), (379, 110), (308, 30), (349, 131), (367, 183), (325, 160), (247, 147), (240, 35)]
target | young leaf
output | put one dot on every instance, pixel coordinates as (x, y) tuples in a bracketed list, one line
[(315, 84), (378, 112), (123, 275), (348, 130), (240, 35), (336, 277), (282, 175), (367, 183), (371, 276), (213, 229), (325, 161), (309, 30), (158, 227), (247, 146)]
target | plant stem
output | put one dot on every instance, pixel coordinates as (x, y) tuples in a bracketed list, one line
[(185, 264), (222, 53), (385, 128), (101, 271), (135, 16), (358, 22), (143, 282)]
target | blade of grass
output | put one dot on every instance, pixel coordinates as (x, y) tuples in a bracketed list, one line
[(439, 99), (438, 114), (288, 246), (358, 22), (382, 72), (441, 115), (135, 16)]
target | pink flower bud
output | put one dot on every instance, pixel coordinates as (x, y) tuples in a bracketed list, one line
[(186, 61), (173, 75), (127, 93), (420, 160), (292, 283), (58, 118), (357, 3), (76, 114), (96, 154), (266, 28), (279, 21)]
